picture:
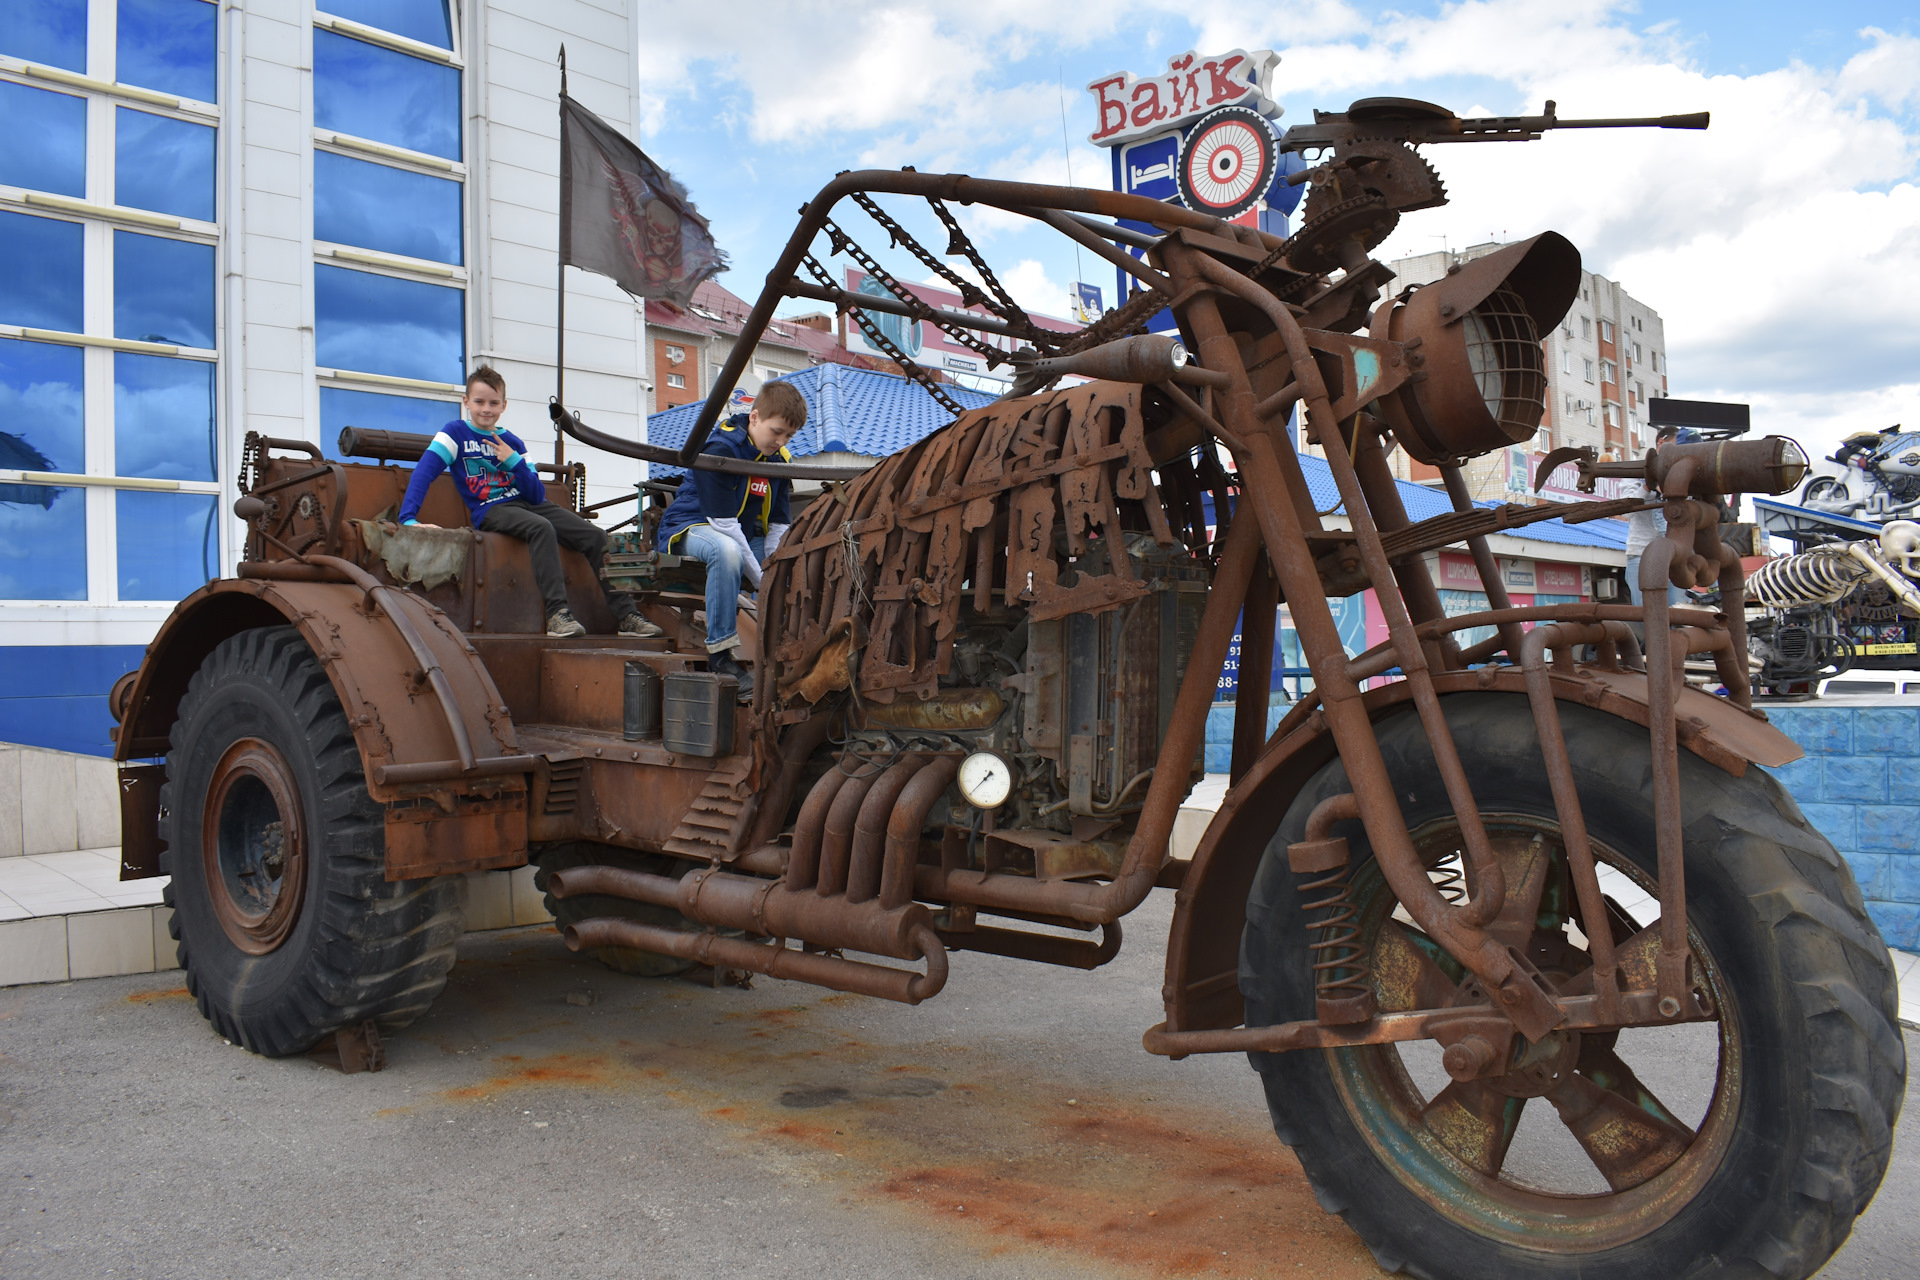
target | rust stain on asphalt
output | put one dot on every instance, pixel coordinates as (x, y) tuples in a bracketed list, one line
[(955, 1138), (519, 1072), (148, 997)]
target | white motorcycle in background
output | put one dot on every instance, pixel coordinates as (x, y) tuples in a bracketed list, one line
[(1880, 480)]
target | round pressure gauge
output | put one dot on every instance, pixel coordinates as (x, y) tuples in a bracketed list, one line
[(986, 780), (1227, 162)]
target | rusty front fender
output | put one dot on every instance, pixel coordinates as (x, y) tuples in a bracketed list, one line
[(435, 825), (1202, 988)]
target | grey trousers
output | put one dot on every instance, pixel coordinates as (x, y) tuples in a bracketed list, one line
[(546, 527)]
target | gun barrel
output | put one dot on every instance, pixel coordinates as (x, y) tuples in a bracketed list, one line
[(1695, 120)]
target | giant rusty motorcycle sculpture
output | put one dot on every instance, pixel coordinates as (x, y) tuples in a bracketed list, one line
[(986, 667)]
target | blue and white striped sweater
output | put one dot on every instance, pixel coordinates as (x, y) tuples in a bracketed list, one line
[(481, 479)]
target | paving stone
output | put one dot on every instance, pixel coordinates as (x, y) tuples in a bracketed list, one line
[(105, 944), (33, 951)]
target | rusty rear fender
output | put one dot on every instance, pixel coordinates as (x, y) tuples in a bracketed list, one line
[(464, 824), (1203, 949)]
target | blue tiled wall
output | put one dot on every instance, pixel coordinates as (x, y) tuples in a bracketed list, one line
[(55, 696), (1220, 732), (1859, 783)]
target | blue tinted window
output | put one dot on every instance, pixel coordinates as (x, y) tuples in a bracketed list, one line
[(43, 530), (378, 324), (377, 206), (391, 97), (40, 272), (43, 140), (162, 417), (162, 164), (423, 20), (372, 411), (168, 543), (42, 424), (162, 290), (43, 543), (53, 32), (170, 45)]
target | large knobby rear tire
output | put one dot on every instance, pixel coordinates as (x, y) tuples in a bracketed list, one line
[(1805, 1086), (288, 928)]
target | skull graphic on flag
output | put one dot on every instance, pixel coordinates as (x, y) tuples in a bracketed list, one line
[(625, 217)]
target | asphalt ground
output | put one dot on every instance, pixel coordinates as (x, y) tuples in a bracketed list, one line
[(551, 1118)]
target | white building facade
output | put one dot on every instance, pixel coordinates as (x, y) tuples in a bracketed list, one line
[(256, 215)]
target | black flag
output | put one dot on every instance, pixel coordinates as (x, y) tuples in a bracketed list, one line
[(624, 217)]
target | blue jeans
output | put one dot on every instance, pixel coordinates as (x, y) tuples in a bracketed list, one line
[(1675, 595), (725, 568)]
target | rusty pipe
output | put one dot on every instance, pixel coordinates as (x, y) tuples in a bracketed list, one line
[(729, 901), (1566, 794), (903, 829), (869, 849), (1483, 563), (803, 866), (837, 845), (1656, 570), (1341, 807), (954, 187), (775, 961), (1461, 930), (1040, 948)]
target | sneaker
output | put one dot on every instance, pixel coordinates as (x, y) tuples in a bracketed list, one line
[(561, 624), (635, 625), (724, 663)]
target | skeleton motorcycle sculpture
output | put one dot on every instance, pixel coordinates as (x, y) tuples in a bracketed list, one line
[(985, 670)]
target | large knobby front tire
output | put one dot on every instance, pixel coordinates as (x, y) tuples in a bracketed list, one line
[(1804, 1070), (288, 928)]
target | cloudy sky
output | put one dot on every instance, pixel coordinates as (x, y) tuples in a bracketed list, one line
[(1782, 247)]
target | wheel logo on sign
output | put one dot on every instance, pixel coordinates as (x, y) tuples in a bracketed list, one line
[(1227, 163)]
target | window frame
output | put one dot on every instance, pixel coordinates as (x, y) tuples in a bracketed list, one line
[(99, 217)]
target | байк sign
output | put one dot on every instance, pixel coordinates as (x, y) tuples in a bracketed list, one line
[(1193, 85)]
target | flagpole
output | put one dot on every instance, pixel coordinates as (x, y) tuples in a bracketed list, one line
[(560, 281)]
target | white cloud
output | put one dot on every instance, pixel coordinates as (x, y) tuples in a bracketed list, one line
[(1889, 71)]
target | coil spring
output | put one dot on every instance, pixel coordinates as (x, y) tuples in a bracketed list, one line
[(1340, 969), (1449, 879), (1812, 577)]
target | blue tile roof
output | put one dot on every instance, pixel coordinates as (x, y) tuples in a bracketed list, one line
[(863, 411), (848, 411)]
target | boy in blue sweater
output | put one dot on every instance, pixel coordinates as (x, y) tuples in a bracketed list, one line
[(503, 494), (733, 522)]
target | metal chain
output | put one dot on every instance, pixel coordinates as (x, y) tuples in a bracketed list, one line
[(970, 294), (844, 243), (886, 345), (1122, 320), (1009, 310)]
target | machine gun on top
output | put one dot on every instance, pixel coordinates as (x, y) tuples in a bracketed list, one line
[(1374, 174)]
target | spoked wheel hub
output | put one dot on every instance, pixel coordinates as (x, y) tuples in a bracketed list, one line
[(254, 846), (1604, 1160)]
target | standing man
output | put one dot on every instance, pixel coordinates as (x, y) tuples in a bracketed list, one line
[(734, 523), (502, 494)]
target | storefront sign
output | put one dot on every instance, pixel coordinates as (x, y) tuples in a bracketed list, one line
[(1194, 84), (1518, 574), (1559, 579), (1457, 573)]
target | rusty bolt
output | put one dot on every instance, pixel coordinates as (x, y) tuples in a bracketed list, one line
[(1467, 1059), (1669, 1007), (1446, 308)]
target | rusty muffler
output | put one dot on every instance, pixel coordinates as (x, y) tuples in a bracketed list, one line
[(776, 960)]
